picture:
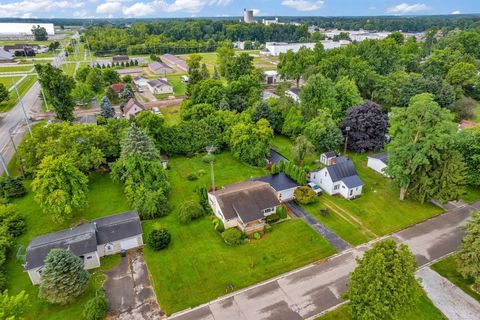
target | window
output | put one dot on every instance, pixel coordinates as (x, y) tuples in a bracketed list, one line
[(336, 187), (351, 192), (343, 187), (326, 173), (89, 257)]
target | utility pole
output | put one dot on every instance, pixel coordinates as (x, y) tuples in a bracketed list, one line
[(4, 165), (347, 129), (211, 149), (23, 108), (44, 98)]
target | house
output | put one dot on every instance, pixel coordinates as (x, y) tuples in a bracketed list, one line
[(90, 242), (271, 77), (159, 86), (159, 68), (140, 82), (283, 185), (276, 48), (5, 56), (378, 162), (268, 95), (118, 87), (293, 93), (132, 108), (328, 158), (120, 59), (174, 62), (21, 49), (244, 205), (275, 157), (339, 178)]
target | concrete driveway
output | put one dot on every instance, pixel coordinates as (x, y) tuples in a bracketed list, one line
[(129, 291)]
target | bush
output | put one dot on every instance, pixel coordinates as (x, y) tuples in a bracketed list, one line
[(218, 225), (202, 193), (189, 211), (201, 173), (11, 187), (11, 221), (208, 158), (96, 308), (267, 228), (3, 280), (305, 195), (192, 177), (159, 239), (232, 237), (274, 217), (282, 212), (257, 235)]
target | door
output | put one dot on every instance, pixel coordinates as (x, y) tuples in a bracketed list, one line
[(129, 244)]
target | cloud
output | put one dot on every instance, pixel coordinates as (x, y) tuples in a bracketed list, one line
[(456, 12), (28, 8), (256, 12), (372, 8), (138, 9), (303, 5), (404, 8), (109, 7)]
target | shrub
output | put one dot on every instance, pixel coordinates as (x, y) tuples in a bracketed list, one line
[(11, 221), (3, 280), (159, 239), (305, 195), (201, 173), (274, 217), (11, 187), (267, 228), (96, 308), (282, 212), (192, 177), (257, 235), (232, 237), (218, 225), (208, 158), (189, 211), (202, 193)]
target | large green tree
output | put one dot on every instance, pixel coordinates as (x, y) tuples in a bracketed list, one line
[(39, 33), (383, 284), (293, 65), (63, 277), (469, 255), (4, 95), (106, 109), (318, 93), (240, 65), (323, 133), (82, 93), (347, 96), (250, 142), (13, 307), (60, 187), (225, 54), (468, 143), (58, 88), (302, 149), (421, 134)]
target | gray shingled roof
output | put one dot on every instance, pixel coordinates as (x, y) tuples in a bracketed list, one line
[(380, 156), (279, 181), (84, 238), (159, 83), (353, 182), (341, 170), (276, 157), (246, 200), (330, 154)]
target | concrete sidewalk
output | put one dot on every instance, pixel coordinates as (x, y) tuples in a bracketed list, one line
[(310, 291)]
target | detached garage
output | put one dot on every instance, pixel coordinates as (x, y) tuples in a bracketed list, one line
[(378, 162), (283, 185)]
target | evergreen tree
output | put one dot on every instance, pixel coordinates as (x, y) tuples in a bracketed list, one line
[(106, 109), (383, 284), (468, 256), (125, 96), (13, 307), (63, 277), (204, 74), (216, 76)]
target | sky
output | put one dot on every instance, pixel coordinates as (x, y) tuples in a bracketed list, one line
[(227, 8)]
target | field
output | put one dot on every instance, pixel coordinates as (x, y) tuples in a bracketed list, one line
[(19, 68), (23, 87), (8, 81), (448, 268), (198, 266)]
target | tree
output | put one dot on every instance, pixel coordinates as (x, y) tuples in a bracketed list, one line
[(347, 96), (95, 79), (467, 142), (293, 65), (194, 71), (4, 95), (13, 307), (82, 73), (110, 76), (323, 133), (204, 74), (125, 96), (216, 76), (82, 93), (39, 33), (97, 307), (250, 142), (318, 93), (106, 109), (58, 88), (239, 66), (368, 126), (159, 239), (225, 54), (302, 149), (63, 277), (467, 257), (421, 133), (293, 124), (383, 284), (462, 75), (60, 187)]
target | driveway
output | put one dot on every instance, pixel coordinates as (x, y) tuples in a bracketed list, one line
[(451, 300), (313, 290), (129, 291)]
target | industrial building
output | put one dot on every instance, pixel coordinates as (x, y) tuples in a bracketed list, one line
[(22, 29), (248, 16)]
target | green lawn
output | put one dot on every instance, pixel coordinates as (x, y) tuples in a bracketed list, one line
[(22, 89), (472, 195), (448, 269), (284, 146), (179, 87), (8, 81), (104, 198), (171, 115), (477, 111), (19, 68), (197, 266), (69, 68), (424, 310)]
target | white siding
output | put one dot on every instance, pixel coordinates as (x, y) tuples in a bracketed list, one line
[(219, 214), (286, 195), (116, 246), (324, 181), (376, 165)]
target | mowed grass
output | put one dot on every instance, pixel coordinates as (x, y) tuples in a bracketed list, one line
[(104, 198), (198, 266), (472, 194), (423, 310), (448, 268), (9, 81), (19, 68), (179, 88), (23, 87)]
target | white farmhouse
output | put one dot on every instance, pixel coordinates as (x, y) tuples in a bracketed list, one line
[(90, 242), (339, 178), (244, 205), (378, 162), (159, 86), (283, 185)]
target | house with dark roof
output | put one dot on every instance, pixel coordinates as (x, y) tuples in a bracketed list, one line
[(276, 157), (283, 185), (244, 205), (120, 59), (339, 178), (378, 162), (328, 158), (132, 108), (90, 242)]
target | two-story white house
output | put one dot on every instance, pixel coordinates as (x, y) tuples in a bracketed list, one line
[(244, 205), (339, 178)]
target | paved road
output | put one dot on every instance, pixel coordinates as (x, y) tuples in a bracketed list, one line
[(327, 233), (451, 300), (314, 289)]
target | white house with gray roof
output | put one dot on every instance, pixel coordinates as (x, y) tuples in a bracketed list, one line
[(378, 162), (159, 86), (90, 241), (339, 178)]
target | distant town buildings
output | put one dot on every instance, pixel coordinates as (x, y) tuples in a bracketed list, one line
[(275, 48), (248, 16), (24, 29)]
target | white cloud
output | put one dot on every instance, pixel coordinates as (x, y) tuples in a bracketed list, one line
[(138, 9), (256, 12), (28, 8), (404, 8), (303, 5), (456, 12), (109, 7), (219, 2), (372, 8)]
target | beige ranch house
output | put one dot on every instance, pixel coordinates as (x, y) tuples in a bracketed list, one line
[(244, 205), (90, 242)]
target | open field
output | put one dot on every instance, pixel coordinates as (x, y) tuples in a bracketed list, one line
[(23, 87), (18, 68), (448, 268), (8, 81)]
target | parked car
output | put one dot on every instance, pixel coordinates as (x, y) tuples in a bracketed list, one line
[(315, 188), (156, 110)]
